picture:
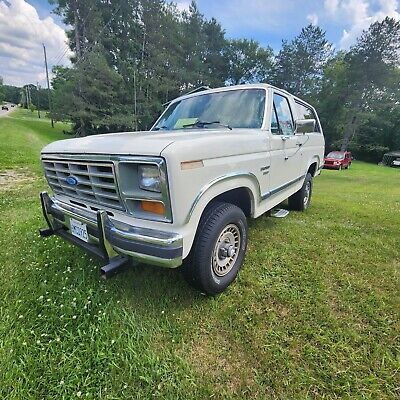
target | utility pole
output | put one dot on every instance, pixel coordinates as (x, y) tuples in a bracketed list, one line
[(77, 33), (78, 53), (26, 97), (48, 83), (29, 96), (37, 99), (144, 42), (135, 99)]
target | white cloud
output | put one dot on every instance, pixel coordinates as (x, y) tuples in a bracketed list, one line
[(359, 15), (183, 5), (22, 33), (331, 6), (312, 18)]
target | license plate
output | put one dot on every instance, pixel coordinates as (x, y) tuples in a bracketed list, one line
[(396, 162), (79, 230)]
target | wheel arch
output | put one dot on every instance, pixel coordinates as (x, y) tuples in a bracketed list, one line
[(240, 189), (314, 166), (247, 183)]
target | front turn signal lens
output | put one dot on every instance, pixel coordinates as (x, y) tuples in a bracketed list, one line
[(155, 207)]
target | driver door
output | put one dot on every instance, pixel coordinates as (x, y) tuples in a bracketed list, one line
[(285, 149)]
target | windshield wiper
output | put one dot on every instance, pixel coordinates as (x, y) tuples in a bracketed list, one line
[(202, 124), (157, 128)]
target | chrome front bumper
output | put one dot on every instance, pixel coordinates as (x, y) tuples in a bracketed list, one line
[(110, 238)]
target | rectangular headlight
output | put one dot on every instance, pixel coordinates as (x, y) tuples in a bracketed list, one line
[(149, 178)]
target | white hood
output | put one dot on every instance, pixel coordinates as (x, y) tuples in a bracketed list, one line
[(133, 143), (206, 143)]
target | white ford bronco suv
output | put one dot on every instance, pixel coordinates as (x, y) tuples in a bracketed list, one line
[(180, 193)]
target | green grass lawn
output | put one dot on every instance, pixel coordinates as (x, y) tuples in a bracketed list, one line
[(314, 312)]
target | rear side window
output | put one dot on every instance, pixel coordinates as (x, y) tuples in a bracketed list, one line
[(306, 112), (282, 119)]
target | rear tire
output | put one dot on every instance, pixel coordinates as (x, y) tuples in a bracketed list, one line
[(301, 200), (218, 250)]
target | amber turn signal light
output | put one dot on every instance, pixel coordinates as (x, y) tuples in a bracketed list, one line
[(153, 206)]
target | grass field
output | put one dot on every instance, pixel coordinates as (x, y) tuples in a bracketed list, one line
[(314, 312)]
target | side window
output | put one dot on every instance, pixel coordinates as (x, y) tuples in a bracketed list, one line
[(307, 113), (283, 116)]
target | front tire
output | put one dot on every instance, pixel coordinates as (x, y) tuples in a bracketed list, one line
[(301, 200), (218, 250)]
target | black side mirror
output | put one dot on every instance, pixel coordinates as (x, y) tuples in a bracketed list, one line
[(304, 126)]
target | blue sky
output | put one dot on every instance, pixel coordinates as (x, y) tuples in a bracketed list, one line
[(271, 21), (25, 24)]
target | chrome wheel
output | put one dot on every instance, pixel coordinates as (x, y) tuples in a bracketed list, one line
[(307, 192), (226, 250)]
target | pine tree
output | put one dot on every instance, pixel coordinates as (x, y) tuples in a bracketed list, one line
[(247, 61), (300, 63), (372, 66)]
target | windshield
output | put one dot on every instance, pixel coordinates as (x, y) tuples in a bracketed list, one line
[(241, 108), (335, 155)]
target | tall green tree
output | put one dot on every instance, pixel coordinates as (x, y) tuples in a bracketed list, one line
[(373, 64), (2, 94), (93, 97), (360, 93), (158, 72), (12, 93), (300, 63), (247, 61), (158, 51), (202, 43), (331, 99)]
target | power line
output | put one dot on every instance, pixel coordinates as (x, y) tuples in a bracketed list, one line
[(90, 48), (38, 98), (65, 45), (59, 54), (62, 56)]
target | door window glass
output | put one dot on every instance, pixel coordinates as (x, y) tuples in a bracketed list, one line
[(274, 123), (283, 115)]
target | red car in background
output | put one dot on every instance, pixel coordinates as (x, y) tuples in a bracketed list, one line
[(338, 160)]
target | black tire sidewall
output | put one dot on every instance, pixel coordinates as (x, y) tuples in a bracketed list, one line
[(209, 281), (307, 180), (296, 200)]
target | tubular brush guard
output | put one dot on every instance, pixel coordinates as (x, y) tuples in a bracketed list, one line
[(114, 263)]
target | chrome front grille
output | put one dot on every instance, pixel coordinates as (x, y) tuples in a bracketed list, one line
[(91, 181)]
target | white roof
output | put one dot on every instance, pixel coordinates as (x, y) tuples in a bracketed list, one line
[(264, 86)]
